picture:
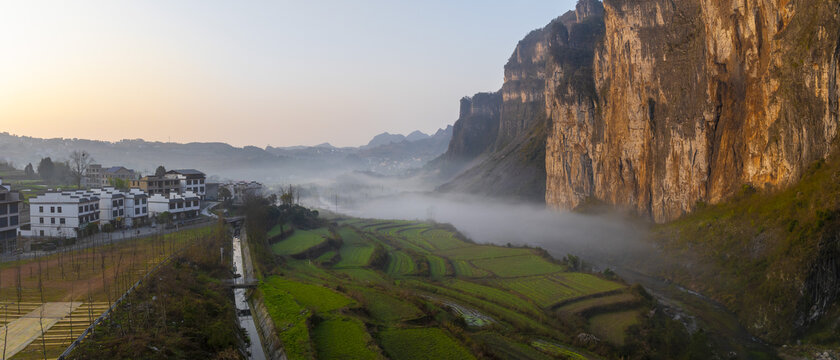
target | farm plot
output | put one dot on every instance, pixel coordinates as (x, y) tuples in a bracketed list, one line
[(354, 255), (386, 308), (437, 266), (586, 283), (613, 326), (416, 237), (314, 297), (342, 338), (288, 315), (399, 263), (441, 239), (418, 344), (483, 252), (505, 348), (543, 291), (493, 295), (363, 275), (514, 266), (464, 269), (300, 241), (350, 236), (588, 305)]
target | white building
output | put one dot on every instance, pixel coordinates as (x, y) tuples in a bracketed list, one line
[(181, 206), (62, 214), (136, 207), (122, 208), (191, 180), (240, 190)]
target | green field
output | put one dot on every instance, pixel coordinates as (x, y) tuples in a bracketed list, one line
[(342, 338), (314, 297), (417, 344), (383, 296), (464, 268), (399, 263), (292, 318), (355, 255), (543, 291), (613, 326), (437, 266), (515, 266), (386, 308), (363, 275), (483, 252), (583, 306), (300, 241)]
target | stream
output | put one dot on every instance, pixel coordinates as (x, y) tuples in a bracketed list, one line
[(243, 309)]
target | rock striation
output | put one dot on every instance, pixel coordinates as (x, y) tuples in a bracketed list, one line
[(685, 102)]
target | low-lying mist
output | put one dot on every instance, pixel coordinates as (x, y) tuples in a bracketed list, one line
[(604, 240)]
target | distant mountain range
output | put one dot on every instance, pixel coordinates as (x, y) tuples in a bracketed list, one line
[(385, 154)]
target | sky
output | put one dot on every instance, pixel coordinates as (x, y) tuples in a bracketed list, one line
[(258, 73)]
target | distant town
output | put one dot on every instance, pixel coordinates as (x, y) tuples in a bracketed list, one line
[(40, 209)]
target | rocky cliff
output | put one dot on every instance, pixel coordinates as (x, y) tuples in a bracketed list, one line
[(685, 102)]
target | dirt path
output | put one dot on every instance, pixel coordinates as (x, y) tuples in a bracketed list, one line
[(27, 328)]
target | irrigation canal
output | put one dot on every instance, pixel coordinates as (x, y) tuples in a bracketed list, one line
[(243, 309)]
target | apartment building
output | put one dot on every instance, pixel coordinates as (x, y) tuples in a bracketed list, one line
[(62, 214), (10, 205), (154, 185), (190, 180), (122, 208), (181, 206), (240, 190), (96, 176)]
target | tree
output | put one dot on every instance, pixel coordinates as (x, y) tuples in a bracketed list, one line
[(224, 193), (29, 171), (164, 217), (160, 172), (79, 162), (118, 183), (46, 169)]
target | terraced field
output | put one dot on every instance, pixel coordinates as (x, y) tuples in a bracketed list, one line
[(481, 285), (515, 266), (300, 241), (399, 263), (426, 343)]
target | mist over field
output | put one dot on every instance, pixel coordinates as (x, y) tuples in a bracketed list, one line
[(604, 239)]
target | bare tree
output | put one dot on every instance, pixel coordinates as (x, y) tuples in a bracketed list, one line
[(79, 162)]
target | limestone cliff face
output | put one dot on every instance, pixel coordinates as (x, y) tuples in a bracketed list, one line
[(670, 103)]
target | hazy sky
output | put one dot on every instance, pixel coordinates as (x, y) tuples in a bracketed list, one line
[(252, 72)]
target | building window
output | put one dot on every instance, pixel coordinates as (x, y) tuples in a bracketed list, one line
[(121, 203), (62, 221), (52, 209), (4, 222), (136, 211), (3, 209), (144, 210), (42, 220), (122, 212), (13, 221), (13, 208), (41, 209), (52, 220), (81, 209), (42, 232), (59, 209), (114, 213), (114, 203), (202, 189), (172, 206)]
